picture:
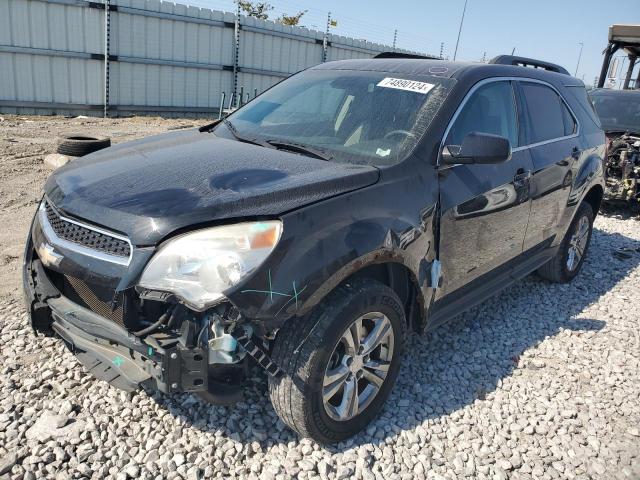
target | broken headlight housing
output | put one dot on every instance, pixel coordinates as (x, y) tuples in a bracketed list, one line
[(199, 266)]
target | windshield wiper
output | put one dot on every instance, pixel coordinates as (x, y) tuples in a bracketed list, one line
[(242, 138), (280, 145), (299, 148)]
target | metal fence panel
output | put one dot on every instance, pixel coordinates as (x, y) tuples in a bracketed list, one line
[(164, 57), (38, 41), (275, 47)]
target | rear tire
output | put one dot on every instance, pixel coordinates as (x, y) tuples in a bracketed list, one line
[(565, 265), (314, 350)]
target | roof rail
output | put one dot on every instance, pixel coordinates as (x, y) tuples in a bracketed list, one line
[(404, 55), (528, 62)]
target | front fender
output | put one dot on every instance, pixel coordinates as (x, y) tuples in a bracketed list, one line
[(325, 243)]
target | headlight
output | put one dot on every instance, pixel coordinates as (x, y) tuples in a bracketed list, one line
[(198, 267)]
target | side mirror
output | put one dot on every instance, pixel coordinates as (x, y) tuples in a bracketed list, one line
[(478, 148)]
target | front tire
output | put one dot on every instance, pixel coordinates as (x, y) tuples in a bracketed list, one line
[(340, 363), (568, 261)]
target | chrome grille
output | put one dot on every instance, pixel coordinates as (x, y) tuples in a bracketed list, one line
[(87, 237)]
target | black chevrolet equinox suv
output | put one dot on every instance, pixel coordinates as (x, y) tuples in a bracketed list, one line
[(308, 232)]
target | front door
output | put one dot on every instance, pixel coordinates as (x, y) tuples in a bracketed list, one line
[(484, 208)]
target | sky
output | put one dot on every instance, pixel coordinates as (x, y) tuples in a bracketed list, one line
[(549, 30)]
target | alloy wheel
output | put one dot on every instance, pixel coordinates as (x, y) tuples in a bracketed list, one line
[(578, 244), (358, 366)]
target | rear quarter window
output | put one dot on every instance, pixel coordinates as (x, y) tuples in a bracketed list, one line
[(570, 126), (581, 98)]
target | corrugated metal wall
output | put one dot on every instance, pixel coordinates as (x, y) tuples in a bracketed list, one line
[(165, 57), (41, 53)]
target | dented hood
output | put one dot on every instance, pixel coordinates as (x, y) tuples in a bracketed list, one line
[(148, 188)]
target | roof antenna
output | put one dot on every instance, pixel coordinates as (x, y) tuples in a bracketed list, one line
[(513, 51)]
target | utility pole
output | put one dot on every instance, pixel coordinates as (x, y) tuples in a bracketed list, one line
[(455, 53), (325, 40), (395, 38), (236, 54), (579, 57), (107, 34)]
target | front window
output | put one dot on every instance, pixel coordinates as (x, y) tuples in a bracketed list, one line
[(618, 111), (359, 117), (491, 109)]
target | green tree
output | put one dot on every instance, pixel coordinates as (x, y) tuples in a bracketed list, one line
[(292, 19), (255, 9)]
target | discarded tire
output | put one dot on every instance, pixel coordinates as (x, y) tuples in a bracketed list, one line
[(77, 145)]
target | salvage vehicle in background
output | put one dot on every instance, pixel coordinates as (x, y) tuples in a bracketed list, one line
[(619, 112), (315, 226)]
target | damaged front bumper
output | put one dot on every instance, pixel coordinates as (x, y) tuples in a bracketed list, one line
[(109, 351), (134, 338), (168, 362)]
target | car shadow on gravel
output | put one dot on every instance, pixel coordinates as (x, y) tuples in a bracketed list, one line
[(456, 364)]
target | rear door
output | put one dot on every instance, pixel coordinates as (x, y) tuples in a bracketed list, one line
[(551, 133), (484, 208)]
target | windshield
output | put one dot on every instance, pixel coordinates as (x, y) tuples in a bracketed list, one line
[(349, 116), (618, 111)]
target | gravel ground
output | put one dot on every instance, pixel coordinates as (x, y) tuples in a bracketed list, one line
[(542, 381)]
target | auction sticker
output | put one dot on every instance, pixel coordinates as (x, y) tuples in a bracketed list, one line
[(409, 85)]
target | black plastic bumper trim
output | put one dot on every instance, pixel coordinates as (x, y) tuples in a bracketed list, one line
[(113, 361)]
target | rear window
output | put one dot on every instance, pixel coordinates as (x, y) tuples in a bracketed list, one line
[(545, 115)]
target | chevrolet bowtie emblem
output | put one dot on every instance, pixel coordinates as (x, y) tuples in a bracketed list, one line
[(48, 256)]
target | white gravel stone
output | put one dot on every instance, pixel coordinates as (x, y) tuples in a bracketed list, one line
[(56, 160)]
